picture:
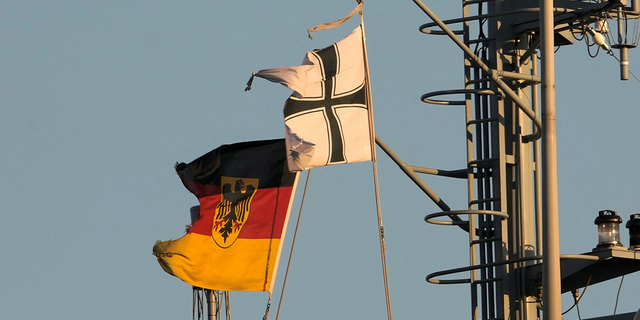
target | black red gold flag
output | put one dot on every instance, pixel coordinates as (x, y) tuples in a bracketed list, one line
[(245, 192)]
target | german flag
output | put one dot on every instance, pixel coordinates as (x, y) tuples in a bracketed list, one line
[(245, 192)]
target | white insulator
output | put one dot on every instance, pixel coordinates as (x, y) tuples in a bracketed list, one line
[(598, 38), (603, 26)]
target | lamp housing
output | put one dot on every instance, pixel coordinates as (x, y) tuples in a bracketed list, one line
[(634, 231), (608, 222)]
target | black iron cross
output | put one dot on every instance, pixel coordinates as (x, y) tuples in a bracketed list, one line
[(298, 107)]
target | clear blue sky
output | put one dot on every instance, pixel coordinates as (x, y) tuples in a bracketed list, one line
[(100, 99)]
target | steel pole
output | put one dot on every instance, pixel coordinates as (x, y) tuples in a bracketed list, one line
[(211, 305), (552, 307)]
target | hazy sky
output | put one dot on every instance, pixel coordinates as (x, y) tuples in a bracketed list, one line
[(100, 99)]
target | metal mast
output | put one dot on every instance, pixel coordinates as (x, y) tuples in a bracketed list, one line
[(550, 229), (515, 270)]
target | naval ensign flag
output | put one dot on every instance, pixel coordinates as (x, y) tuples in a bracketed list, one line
[(327, 117)]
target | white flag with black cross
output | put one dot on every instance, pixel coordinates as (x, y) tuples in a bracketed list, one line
[(327, 117)]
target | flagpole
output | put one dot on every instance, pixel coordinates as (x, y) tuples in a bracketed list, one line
[(383, 254)]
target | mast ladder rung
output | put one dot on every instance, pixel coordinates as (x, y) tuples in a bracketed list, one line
[(481, 121), (484, 200), (480, 40), (480, 162), (483, 241), (472, 2), (488, 280)]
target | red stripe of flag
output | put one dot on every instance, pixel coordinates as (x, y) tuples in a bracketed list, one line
[(261, 223)]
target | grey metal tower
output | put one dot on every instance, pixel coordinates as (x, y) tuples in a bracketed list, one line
[(510, 173)]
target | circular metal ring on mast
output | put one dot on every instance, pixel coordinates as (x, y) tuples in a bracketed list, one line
[(430, 218), (430, 277), (440, 33), (425, 97)]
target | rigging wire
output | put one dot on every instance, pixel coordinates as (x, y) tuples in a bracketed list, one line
[(589, 45), (198, 303), (193, 308), (578, 309), (617, 298), (577, 299), (219, 296), (293, 243), (214, 308), (227, 297), (610, 52), (576, 38), (614, 56), (383, 255)]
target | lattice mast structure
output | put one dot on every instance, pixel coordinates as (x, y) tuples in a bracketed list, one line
[(511, 170)]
